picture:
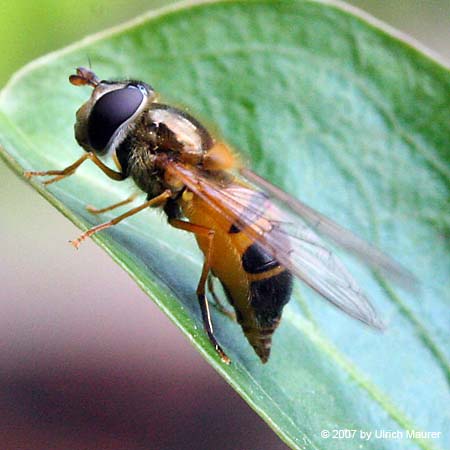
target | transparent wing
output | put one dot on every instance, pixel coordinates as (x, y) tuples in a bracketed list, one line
[(286, 235), (338, 234)]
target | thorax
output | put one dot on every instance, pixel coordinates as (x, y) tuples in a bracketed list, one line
[(161, 132)]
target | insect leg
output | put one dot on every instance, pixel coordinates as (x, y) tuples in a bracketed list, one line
[(94, 210), (218, 303), (201, 295), (70, 170), (152, 202)]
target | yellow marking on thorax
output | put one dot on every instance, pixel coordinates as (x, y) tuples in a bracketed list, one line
[(187, 196)]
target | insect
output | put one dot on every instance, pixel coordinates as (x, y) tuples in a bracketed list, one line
[(254, 237)]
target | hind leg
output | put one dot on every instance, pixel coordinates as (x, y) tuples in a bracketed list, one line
[(201, 287)]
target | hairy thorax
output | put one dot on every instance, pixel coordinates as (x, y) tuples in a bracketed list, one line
[(160, 134)]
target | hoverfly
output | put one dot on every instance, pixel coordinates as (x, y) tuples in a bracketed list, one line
[(254, 236)]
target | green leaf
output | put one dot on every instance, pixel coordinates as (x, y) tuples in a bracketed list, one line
[(335, 109)]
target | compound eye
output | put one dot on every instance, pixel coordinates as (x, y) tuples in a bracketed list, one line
[(111, 111)]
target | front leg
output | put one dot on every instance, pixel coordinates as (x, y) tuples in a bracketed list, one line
[(70, 170)]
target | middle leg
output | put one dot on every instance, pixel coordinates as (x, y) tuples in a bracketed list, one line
[(218, 303), (158, 200), (94, 210)]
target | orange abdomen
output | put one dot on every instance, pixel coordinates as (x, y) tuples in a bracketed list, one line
[(255, 284)]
